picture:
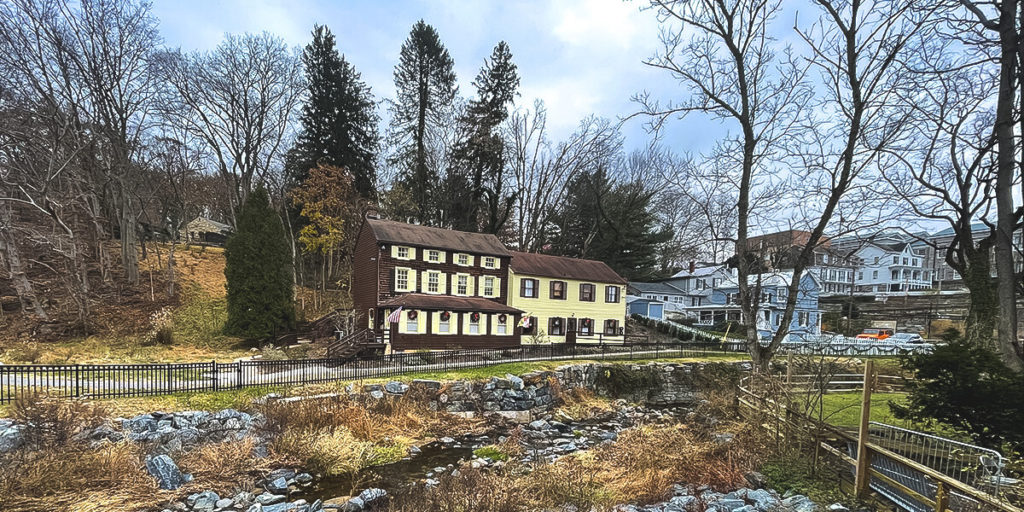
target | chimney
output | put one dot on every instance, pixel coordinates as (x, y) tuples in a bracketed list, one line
[(693, 266)]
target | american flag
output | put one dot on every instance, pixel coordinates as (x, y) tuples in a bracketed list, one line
[(395, 316)]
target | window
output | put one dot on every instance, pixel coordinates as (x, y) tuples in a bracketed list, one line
[(715, 282), (586, 326), (474, 325), (558, 290), (433, 282), (488, 286), (403, 252), (895, 260), (895, 275), (586, 292), (556, 326), (434, 256), (904, 261), (874, 274), (490, 262), (462, 285), (913, 262), (611, 327), (501, 326), (462, 259), (528, 288), (802, 318), (611, 293), (876, 260), (444, 326), (412, 324), (694, 301), (401, 279)]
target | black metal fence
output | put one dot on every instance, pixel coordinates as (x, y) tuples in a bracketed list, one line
[(127, 380)]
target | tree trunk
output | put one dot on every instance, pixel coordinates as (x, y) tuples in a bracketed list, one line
[(1006, 169), (129, 258), (22, 285), (982, 311), (170, 270)]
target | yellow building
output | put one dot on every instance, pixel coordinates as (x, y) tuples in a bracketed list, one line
[(567, 299)]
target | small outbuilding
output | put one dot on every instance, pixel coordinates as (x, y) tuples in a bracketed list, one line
[(206, 231), (650, 308)]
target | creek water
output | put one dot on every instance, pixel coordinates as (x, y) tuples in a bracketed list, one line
[(387, 476)]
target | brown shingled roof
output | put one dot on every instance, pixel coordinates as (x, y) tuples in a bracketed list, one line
[(431, 237), (562, 267), (448, 302)]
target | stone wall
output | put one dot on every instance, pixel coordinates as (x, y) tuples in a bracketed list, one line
[(529, 396)]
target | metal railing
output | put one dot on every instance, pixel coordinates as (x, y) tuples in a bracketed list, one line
[(105, 381)]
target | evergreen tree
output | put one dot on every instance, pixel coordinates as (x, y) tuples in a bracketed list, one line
[(339, 119), (609, 222), (480, 154), (258, 272), (426, 89)]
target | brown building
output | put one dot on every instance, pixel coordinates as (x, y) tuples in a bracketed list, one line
[(452, 287)]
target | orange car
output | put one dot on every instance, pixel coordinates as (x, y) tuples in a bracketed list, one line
[(874, 334)]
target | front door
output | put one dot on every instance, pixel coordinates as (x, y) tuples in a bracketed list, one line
[(570, 331)]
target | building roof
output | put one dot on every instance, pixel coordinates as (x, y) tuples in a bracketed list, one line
[(698, 272), (203, 222), (776, 278), (644, 300), (448, 302), (662, 288), (977, 227), (562, 267), (430, 237)]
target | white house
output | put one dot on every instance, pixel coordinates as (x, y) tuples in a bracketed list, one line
[(892, 267)]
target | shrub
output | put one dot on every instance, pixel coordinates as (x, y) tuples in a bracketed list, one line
[(490, 452), (968, 387), (53, 422), (162, 327)]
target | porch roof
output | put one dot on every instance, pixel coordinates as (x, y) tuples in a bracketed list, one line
[(448, 302)]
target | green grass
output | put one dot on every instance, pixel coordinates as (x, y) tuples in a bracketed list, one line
[(796, 473), (490, 452), (843, 409)]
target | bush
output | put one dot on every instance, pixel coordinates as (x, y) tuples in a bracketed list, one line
[(968, 387), (53, 422)]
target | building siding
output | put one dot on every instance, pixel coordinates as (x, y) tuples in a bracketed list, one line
[(544, 307)]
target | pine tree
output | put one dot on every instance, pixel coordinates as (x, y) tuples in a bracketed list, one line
[(480, 154), (258, 272), (339, 118), (426, 89)]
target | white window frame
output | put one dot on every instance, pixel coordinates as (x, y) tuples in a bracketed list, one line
[(400, 274), (490, 262), (408, 252), (463, 256), (500, 327), (412, 325), (460, 287), (474, 327), (444, 326), (433, 281), (434, 256), (488, 283)]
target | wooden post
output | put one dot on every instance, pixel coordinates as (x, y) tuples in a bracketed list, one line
[(862, 477), (941, 498), (789, 368)]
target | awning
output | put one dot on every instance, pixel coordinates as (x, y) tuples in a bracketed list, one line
[(447, 302)]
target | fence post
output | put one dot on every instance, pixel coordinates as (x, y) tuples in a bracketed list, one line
[(941, 498), (238, 375), (78, 380), (863, 477), (216, 378)]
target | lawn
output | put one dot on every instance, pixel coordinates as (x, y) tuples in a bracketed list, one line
[(843, 410)]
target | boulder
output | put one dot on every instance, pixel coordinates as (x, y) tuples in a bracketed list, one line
[(396, 388), (371, 495), (10, 436), (205, 501), (277, 486), (166, 472), (517, 383), (353, 505), (269, 499)]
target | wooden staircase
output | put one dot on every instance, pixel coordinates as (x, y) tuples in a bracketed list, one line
[(350, 346)]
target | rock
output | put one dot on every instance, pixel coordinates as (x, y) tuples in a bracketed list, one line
[(415, 450), (10, 436), (304, 478), (287, 474), (539, 425), (204, 501), (353, 505), (166, 472), (724, 438), (277, 486), (728, 504), (377, 394), (680, 503), (755, 480), (447, 440), (269, 499), (396, 388), (429, 384), (838, 507), (373, 494), (225, 502), (517, 383), (501, 383), (282, 507)]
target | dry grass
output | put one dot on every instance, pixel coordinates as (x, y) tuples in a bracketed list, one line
[(579, 403), (54, 421), (340, 435), (641, 467)]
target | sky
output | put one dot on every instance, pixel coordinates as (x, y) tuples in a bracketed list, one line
[(581, 58)]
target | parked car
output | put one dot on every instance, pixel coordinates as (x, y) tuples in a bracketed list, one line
[(906, 337), (875, 334)]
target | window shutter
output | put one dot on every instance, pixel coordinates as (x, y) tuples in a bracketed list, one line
[(394, 279)]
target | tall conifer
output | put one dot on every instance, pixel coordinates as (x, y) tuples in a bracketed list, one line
[(258, 272)]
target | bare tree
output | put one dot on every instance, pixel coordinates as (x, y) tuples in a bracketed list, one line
[(541, 171), (240, 99), (721, 51)]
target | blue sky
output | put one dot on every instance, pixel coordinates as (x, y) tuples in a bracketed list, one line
[(579, 57)]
